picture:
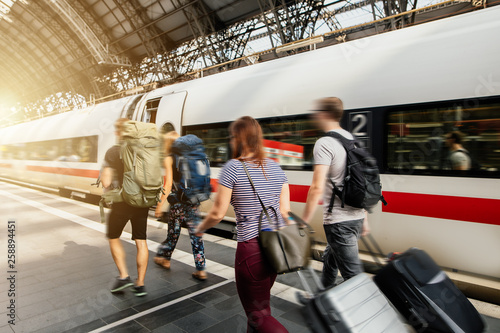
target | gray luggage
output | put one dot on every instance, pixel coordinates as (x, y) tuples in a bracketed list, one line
[(355, 306)]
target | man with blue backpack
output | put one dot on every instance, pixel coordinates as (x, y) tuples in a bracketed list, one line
[(187, 184)]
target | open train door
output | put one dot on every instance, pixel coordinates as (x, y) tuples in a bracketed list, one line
[(166, 111)]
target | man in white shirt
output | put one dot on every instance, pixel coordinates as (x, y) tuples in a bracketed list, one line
[(459, 157), (343, 226)]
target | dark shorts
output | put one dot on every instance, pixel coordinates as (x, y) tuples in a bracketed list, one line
[(120, 214)]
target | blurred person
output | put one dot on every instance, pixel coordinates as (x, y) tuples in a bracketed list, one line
[(121, 213), (254, 275), (343, 226), (179, 214), (84, 149), (459, 158)]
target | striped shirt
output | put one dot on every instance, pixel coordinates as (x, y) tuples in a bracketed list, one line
[(244, 200)]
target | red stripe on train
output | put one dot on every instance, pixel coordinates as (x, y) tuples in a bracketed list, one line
[(64, 171), (468, 209), (298, 193), (215, 184)]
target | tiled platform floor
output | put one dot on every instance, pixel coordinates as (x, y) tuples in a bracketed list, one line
[(65, 271)]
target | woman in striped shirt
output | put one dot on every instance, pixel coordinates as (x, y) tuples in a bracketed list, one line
[(254, 275)]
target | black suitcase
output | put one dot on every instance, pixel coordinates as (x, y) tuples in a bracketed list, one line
[(355, 306), (426, 296)]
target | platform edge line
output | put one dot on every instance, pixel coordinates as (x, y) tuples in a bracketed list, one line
[(161, 306)]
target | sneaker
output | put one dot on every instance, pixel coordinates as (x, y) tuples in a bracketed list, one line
[(121, 284), (139, 291), (200, 275)]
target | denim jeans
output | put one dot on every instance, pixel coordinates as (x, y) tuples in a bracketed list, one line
[(341, 253)]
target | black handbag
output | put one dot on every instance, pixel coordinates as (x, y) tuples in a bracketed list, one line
[(287, 249)]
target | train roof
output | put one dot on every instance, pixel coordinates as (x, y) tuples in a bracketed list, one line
[(449, 59), (93, 120), (453, 58)]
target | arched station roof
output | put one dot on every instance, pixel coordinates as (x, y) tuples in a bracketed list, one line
[(51, 45)]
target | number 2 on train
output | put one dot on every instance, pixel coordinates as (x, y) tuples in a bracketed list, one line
[(359, 124)]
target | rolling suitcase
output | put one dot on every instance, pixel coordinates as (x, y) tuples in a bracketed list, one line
[(426, 296), (355, 306)]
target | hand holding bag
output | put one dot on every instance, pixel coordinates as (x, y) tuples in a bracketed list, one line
[(287, 249)]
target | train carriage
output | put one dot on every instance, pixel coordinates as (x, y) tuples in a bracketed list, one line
[(403, 92)]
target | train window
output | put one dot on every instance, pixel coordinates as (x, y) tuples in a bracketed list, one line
[(79, 149), (288, 140), (445, 140), (215, 139), (151, 110), (167, 127)]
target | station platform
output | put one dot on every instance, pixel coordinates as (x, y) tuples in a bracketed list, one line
[(65, 270)]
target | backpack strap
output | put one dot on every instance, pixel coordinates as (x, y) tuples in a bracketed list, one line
[(175, 173), (332, 198), (101, 211), (122, 146), (336, 192), (184, 168), (466, 152), (343, 140), (335, 189)]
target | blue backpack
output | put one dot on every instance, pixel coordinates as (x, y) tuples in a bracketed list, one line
[(191, 171)]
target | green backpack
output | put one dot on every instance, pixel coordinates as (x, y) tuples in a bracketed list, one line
[(140, 153)]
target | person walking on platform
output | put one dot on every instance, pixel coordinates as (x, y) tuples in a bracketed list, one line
[(121, 213), (254, 275), (181, 213), (343, 224)]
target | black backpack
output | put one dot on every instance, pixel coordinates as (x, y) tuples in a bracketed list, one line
[(362, 187)]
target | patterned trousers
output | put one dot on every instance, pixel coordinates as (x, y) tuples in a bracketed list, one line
[(183, 214)]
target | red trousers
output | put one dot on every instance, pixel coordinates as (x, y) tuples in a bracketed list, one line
[(254, 279)]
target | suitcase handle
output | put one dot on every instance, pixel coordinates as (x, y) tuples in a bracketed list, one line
[(317, 304), (370, 249), (422, 323), (305, 284)]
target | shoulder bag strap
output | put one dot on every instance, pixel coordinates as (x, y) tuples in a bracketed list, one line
[(258, 196)]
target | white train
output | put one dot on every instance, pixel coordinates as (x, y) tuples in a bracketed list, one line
[(403, 91)]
